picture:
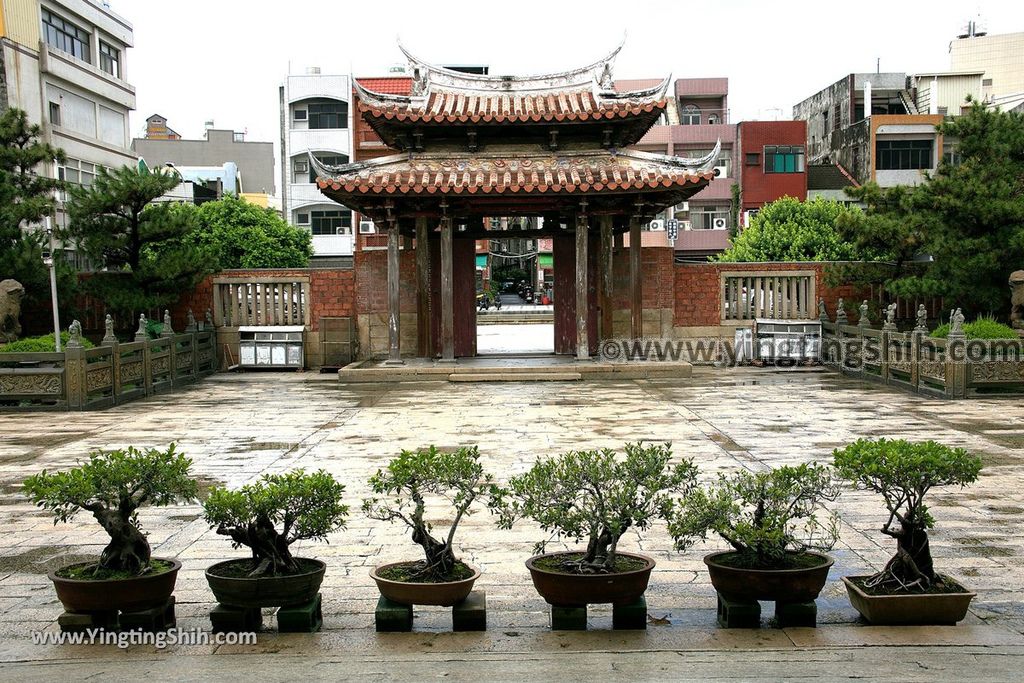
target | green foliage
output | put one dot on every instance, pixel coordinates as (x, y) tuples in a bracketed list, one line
[(233, 233), (791, 230), (154, 328), (41, 344), (26, 197), (762, 515), (982, 328), (307, 506), (122, 479), (598, 495), (403, 487), (509, 273), (137, 243), (969, 216), (903, 472)]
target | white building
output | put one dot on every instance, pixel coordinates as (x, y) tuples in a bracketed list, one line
[(63, 62), (316, 119)]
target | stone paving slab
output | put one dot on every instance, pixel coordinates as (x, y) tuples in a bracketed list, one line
[(237, 427)]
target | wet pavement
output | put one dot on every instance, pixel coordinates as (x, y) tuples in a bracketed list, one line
[(237, 427)]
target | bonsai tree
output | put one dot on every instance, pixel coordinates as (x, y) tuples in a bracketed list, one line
[(904, 472), (599, 496), (765, 516), (113, 485), (456, 476), (270, 515)]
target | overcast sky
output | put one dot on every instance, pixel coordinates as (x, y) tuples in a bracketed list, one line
[(224, 59)]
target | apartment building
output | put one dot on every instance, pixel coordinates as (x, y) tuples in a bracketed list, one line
[(316, 119), (64, 63)]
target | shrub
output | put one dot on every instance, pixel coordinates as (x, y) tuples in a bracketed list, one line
[(457, 477), (306, 506), (598, 496), (113, 485), (765, 516), (903, 473), (41, 344), (982, 328)]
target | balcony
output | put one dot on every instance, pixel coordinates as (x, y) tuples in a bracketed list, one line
[(86, 76), (320, 140)]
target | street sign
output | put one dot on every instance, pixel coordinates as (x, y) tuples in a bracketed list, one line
[(672, 227)]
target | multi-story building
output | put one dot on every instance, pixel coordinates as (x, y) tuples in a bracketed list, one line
[(315, 119), (770, 164), (1000, 59), (250, 164), (157, 129), (63, 62), (869, 124)]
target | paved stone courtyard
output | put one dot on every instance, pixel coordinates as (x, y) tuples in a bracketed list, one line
[(237, 427)]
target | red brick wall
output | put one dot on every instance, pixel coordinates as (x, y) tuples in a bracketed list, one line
[(656, 274), (371, 281), (697, 290), (760, 188)]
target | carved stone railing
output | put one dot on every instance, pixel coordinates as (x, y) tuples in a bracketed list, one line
[(106, 375), (951, 368)]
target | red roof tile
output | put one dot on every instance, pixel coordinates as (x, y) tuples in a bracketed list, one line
[(453, 107), (693, 87), (390, 85), (528, 173)]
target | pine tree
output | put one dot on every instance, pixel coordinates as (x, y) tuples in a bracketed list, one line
[(137, 243), (26, 197)]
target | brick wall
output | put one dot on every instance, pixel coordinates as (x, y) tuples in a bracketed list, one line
[(697, 289)]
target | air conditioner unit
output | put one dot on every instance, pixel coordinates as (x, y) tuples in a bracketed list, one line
[(302, 166), (366, 227), (656, 225), (720, 171), (719, 223), (341, 231)]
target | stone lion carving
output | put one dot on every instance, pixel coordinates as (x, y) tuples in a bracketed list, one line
[(11, 293), (1017, 299)]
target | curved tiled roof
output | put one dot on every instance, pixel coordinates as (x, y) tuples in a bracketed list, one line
[(589, 171)]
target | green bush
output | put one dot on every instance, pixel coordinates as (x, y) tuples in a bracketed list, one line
[(765, 516), (43, 344), (903, 473), (982, 328), (113, 485), (268, 516), (598, 496)]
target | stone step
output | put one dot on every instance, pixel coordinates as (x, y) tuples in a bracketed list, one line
[(515, 377)]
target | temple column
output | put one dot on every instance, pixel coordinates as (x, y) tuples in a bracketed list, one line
[(423, 346), (394, 312), (604, 264), (582, 312), (447, 294), (636, 288)]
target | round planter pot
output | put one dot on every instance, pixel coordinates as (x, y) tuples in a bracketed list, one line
[(786, 585), (570, 590), (266, 591), (127, 595), (409, 593), (931, 609)]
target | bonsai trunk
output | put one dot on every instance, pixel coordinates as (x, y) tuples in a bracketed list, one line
[(440, 558), (270, 552), (912, 565), (128, 549)]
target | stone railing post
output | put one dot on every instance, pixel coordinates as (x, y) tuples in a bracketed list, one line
[(915, 357), (956, 356), (74, 367)]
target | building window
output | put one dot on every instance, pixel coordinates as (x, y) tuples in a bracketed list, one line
[(302, 218), (328, 114), (783, 159), (327, 160), (334, 222), (903, 155), (690, 115), (110, 59), (753, 159), (299, 115), (77, 172), (65, 36), (709, 218), (54, 114)]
